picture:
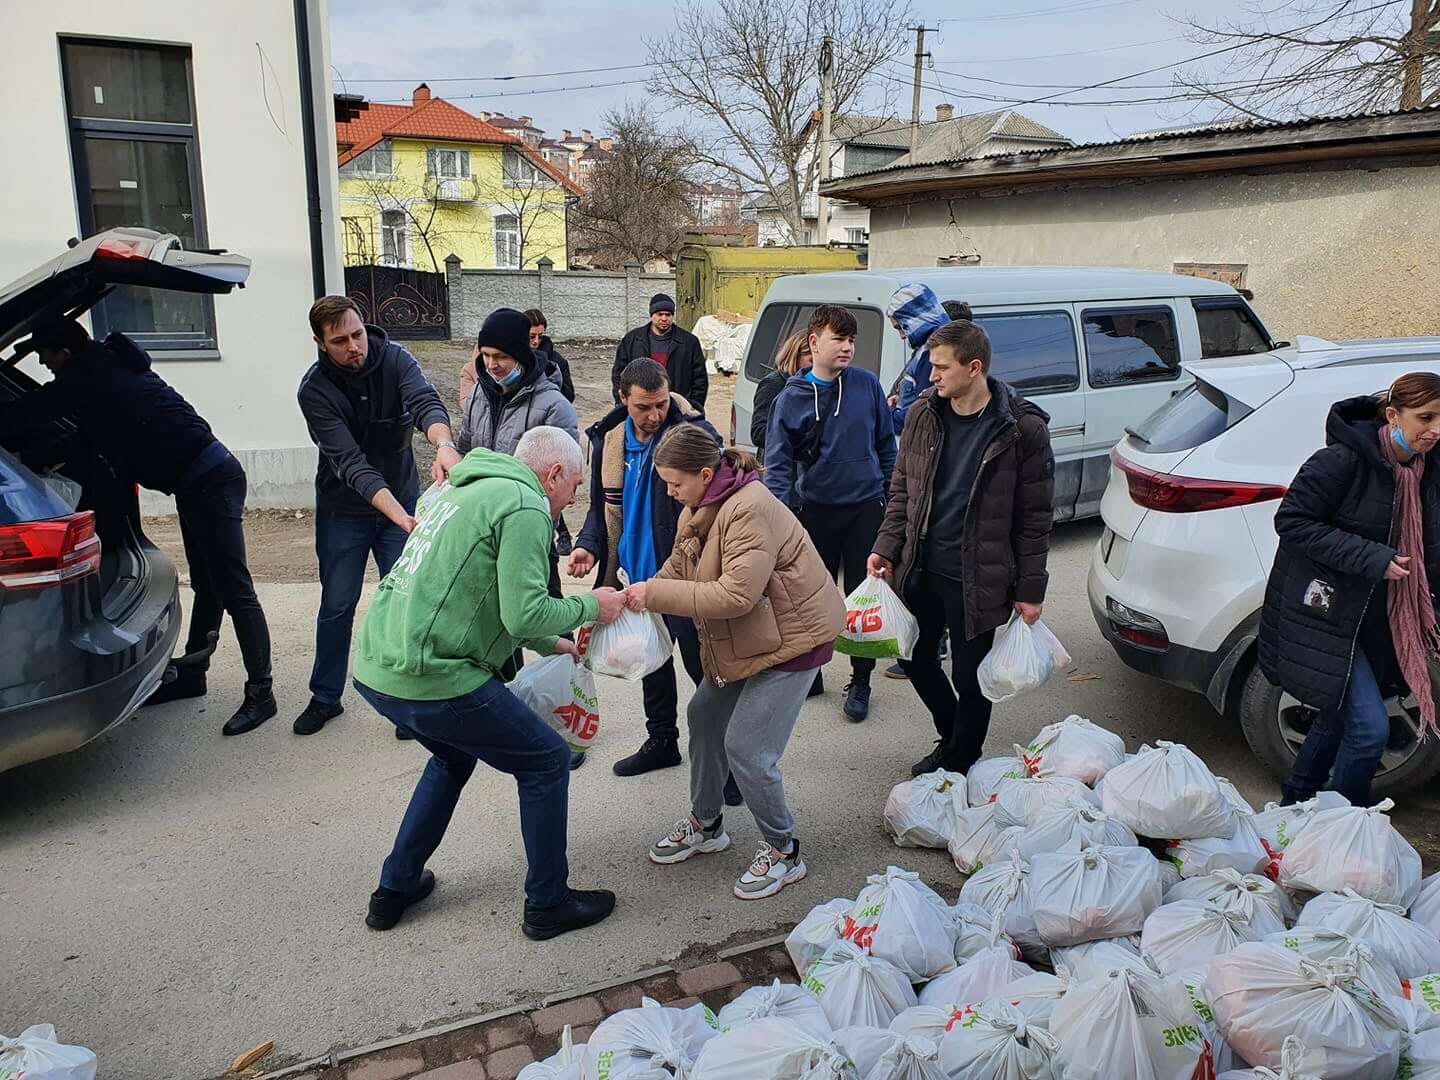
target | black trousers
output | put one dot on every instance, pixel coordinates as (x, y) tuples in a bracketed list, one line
[(960, 711), (212, 527), (844, 536), (660, 689)]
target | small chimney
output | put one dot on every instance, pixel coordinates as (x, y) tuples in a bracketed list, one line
[(586, 136), (607, 143), (945, 111), (565, 135), (421, 96)]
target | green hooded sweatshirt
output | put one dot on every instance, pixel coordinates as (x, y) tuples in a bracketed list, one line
[(469, 589)]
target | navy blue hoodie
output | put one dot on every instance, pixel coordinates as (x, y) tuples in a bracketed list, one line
[(857, 450)]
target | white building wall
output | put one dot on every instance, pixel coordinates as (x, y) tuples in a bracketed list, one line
[(252, 166)]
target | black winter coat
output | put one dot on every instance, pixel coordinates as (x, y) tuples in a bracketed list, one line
[(1327, 591), (551, 356), (685, 363), (766, 392)]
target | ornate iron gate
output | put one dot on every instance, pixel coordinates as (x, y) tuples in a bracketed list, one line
[(407, 304)]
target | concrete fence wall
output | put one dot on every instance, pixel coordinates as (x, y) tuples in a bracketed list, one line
[(577, 303)]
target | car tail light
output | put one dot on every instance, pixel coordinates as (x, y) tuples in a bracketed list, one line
[(124, 247), (1136, 627), (734, 426), (40, 553), (1187, 494)]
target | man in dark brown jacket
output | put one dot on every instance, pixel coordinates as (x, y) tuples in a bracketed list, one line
[(966, 531)]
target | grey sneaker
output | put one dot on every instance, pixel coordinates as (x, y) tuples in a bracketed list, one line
[(771, 871), (688, 838)]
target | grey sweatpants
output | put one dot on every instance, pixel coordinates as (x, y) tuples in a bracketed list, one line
[(742, 727)]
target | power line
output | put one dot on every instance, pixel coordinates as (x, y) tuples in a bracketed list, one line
[(516, 93), (507, 78), (1068, 9), (1053, 56)]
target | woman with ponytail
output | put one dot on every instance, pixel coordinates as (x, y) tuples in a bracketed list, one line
[(1349, 616), (744, 569)]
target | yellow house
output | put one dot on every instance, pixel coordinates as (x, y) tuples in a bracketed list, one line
[(423, 181)]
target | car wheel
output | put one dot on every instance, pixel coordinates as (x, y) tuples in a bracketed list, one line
[(1275, 726)]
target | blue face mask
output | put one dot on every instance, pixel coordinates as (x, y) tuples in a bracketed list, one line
[(512, 376), (1398, 438)]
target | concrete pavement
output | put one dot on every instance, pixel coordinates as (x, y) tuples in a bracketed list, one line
[(172, 898)]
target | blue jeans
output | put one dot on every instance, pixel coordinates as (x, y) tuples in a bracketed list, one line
[(344, 542), (1342, 750), (490, 725)]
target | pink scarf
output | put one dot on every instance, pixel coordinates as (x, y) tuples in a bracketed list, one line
[(1412, 612)]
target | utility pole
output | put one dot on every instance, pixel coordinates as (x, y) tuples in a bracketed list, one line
[(827, 108), (920, 55)]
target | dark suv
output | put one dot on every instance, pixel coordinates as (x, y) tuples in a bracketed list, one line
[(89, 608)]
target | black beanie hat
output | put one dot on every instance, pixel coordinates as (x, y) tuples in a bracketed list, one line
[(509, 331), (661, 302)]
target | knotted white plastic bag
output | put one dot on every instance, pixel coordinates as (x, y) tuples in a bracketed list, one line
[(1278, 825), (921, 812), (1023, 801), (567, 1063), (1097, 892), (1293, 1066), (817, 931), (1002, 888), (890, 1054), (1069, 828), (1353, 847), (1426, 908), (1182, 938), (1242, 850), (1092, 959), (1036, 996), (1266, 906), (1128, 1024), (992, 1040), (769, 1049), (981, 977), (877, 624), (631, 647), (857, 988), (975, 840), (986, 775), (1075, 747), (1323, 946), (1021, 659), (781, 1001), (632, 1044), (1165, 792), (1411, 948), (562, 693), (976, 932), (36, 1054), (899, 918)]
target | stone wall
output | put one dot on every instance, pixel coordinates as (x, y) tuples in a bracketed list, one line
[(577, 303)]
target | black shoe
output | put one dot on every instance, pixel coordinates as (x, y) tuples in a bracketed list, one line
[(404, 734), (931, 761), (732, 792), (563, 544), (655, 754), (818, 686), (186, 683), (583, 908), (857, 700), (576, 759), (387, 906), (259, 706), (896, 671), (315, 716)]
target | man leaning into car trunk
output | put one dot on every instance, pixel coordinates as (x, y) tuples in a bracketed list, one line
[(362, 399), (151, 436)]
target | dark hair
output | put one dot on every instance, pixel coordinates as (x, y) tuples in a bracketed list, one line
[(644, 373), (957, 310), (840, 321), (59, 334), (795, 348), (969, 341), (329, 310), (536, 317), (689, 448), (1411, 391)]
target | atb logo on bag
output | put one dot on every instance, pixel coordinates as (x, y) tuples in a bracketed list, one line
[(863, 620), (862, 935), (582, 716)]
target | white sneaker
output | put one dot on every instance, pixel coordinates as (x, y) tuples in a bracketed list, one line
[(689, 838), (770, 872)]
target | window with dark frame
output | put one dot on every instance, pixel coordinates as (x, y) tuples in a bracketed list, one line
[(1227, 328), (1033, 351), (1124, 346), (137, 163)]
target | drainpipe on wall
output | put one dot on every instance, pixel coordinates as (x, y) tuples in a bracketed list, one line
[(307, 123)]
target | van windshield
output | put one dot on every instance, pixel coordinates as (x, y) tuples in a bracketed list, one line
[(778, 321)]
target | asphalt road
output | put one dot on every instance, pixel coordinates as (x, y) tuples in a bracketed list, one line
[(171, 898)]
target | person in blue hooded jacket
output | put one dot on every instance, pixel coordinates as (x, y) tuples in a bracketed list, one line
[(830, 450), (916, 313)]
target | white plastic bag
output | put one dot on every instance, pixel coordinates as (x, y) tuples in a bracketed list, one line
[(562, 693), (1022, 802), (975, 841), (1410, 948), (1292, 1066), (1075, 747), (1232, 793), (567, 1063), (781, 1001), (631, 647), (921, 812), (635, 1042), (1323, 946), (877, 624), (1165, 792), (1036, 996), (1021, 659), (1097, 892), (993, 1041), (429, 497), (816, 932), (1069, 828), (888, 1055), (1182, 938), (36, 1054), (1002, 888), (1092, 959), (1232, 889), (1353, 847), (1278, 825), (981, 977), (1261, 993), (1128, 1024), (983, 780), (768, 1049), (976, 931), (1426, 908), (857, 988), (899, 918), (1242, 850)]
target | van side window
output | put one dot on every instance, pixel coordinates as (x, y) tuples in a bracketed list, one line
[(1034, 352), (1131, 345), (778, 321), (1229, 328)]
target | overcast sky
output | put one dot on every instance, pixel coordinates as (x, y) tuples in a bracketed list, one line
[(436, 40)]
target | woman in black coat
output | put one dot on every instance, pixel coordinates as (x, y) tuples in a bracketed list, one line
[(1359, 552), (793, 358)]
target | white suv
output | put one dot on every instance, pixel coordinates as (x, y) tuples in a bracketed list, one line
[(1178, 577)]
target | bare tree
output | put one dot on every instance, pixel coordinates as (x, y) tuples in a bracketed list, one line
[(636, 205), (535, 201), (749, 74), (1313, 57), (422, 213)]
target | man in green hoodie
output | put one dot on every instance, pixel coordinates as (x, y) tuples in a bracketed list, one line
[(469, 589)]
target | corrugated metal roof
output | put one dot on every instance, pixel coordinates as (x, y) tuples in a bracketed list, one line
[(966, 136)]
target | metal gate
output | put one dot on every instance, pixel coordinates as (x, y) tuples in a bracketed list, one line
[(408, 305)]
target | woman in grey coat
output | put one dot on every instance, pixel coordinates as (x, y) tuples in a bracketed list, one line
[(511, 393)]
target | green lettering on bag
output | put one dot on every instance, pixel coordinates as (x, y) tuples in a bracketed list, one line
[(814, 985), (1199, 1005)]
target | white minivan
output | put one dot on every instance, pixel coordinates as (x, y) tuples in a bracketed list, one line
[(1098, 349)]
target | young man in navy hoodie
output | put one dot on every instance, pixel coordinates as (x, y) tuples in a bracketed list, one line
[(830, 449)]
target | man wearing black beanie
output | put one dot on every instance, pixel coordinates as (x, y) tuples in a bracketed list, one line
[(676, 350)]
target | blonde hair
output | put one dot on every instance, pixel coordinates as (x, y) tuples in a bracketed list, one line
[(688, 448), (795, 349)]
